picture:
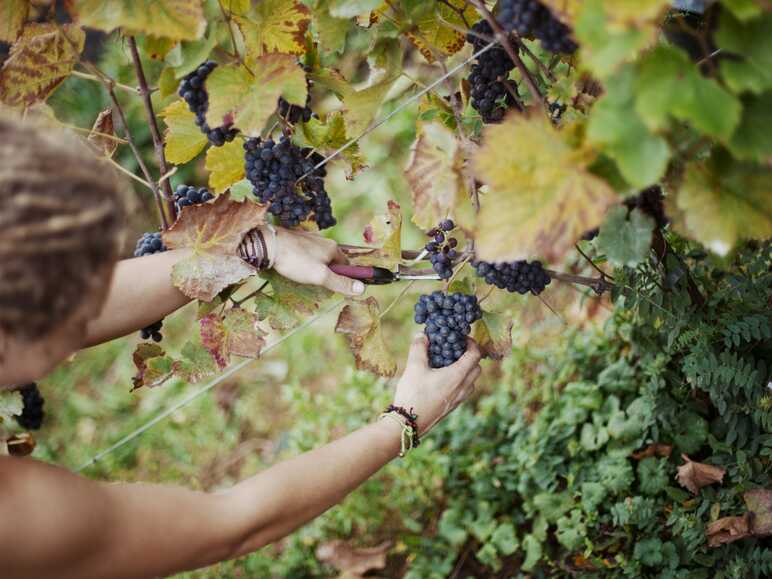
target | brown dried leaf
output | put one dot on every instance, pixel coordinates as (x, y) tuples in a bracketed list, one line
[(40, 59), (101, 132), (656, 449), (727, 530), (154, 367), (759, 503), (236, 332), (13, 13), (214, 232), (353, 561), (384, 231), (695, 475), (493, 333), (21, 444), (359, 322)]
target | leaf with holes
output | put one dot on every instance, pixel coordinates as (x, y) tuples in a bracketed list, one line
[(101, 133), (13, 13), (721, 202), (493, 333), (225, 165), (213, 232), (248, 96), (436, 28), (154, 367), (39, 61), (176, 19), (235, 333), (274, 26), (435, 176), (184, 140), (541, 198), (359, 322)]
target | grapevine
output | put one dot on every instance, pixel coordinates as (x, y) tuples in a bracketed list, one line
[(530, 18), (517, 276), (192, 89), (448, 319)]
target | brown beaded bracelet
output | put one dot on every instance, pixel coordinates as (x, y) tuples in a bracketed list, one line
[(411, 418), (254, 250)]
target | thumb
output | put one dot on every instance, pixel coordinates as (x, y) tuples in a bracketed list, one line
[(470, 359), (342, 284), (419, 353)]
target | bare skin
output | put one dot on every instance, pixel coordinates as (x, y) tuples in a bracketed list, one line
[(57, 524)]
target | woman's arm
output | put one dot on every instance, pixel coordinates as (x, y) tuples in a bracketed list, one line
[(141, 291), (56, 524)]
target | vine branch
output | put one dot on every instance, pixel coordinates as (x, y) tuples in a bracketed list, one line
[(158, 143), (599, 285)]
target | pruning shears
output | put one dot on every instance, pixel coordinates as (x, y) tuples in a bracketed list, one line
[(373, 275)]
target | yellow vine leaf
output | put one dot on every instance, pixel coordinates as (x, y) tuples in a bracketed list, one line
[(541, 197), (184, 140), (225, 164), (39, 61), (274, 26), (718, 207), (435, 176), (13, 13), (175, 19), (247, 96), (359, 321), (620, 14), (438, 30), (384, 232)]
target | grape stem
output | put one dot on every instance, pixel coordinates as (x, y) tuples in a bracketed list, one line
[(599, 285), (158, 143), (503, 38)]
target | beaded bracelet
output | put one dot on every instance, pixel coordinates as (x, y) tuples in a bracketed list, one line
[(254, 250), (410, 438)]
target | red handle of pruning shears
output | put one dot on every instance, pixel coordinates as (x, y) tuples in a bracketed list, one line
[(365, 273)]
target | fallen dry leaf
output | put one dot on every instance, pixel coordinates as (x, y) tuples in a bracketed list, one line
[(759, 502), (695, 475), (727, 530), (350, 560)]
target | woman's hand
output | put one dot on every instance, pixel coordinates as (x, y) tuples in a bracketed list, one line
[(434, 393), (303, 257)]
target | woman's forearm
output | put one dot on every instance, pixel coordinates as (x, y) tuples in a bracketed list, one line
[(141, 293), (277, 501)]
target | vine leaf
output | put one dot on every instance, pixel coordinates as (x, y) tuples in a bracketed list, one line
[(235, 333), (359, 322), (353, 562), (196, 363), (186, 57), (435, 176), (332, 30), (249, 98), (752, 141), (103, 125), (721, 202), (243, 190), (226, 165), (13, 13), (493, 333), (288, 302), (438, 26), (759, 503), (541, 198), (351, 8), (154, 367), (327, 134), (213, 232), (176, 19), (751, 44), (385, 232), (625, 241), (39, 61), (184, 140), (274, 26), (11, 404), (695, 475)]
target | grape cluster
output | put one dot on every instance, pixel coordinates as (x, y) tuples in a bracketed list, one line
[(516, 276), (531, 18), (149, 244), (192, 89), (274, 168), (556, 111), (448, 319), (490, 95), (31, 417), (185, 195), (441, 249)]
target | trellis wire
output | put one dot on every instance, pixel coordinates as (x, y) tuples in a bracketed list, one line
[(191, 397), (237, 367)]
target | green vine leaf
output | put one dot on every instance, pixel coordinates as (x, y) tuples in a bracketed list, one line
[(288, 302), (750, 43), (360, 322), (247, 97), (176, 19), (327, 134), (541, 198), (183, 138), (39, 61), (625, 241), (195, 364), (332, 31), (752, 141), (435, 28)]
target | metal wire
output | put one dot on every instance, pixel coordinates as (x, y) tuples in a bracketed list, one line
[(192, 396), (239, 366)]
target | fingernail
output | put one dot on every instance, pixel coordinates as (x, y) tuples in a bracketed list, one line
[(358, 287)]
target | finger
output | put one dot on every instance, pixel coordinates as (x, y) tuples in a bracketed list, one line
[(470, 358), (342, 284), (472, 377), (419, 351), (339, 257)]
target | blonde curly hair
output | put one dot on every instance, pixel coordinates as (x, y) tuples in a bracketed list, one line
[(62, 226)]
